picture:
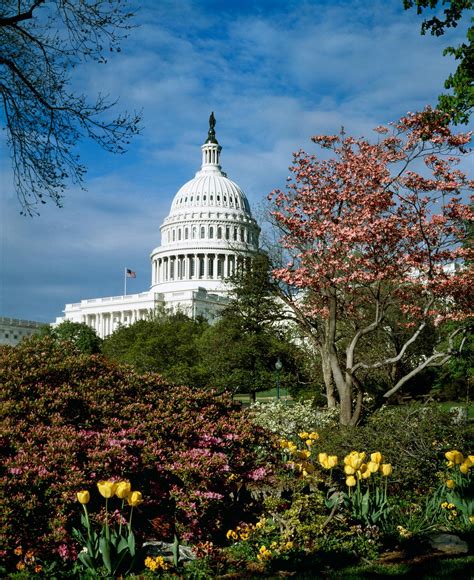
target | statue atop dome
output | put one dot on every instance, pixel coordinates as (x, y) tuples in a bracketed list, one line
[(211, 135)]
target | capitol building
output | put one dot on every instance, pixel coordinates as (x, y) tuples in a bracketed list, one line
[(208, 234)]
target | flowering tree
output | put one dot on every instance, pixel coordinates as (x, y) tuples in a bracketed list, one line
[(374, 230)]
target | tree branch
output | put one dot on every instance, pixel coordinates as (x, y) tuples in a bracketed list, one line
[(21, 16)]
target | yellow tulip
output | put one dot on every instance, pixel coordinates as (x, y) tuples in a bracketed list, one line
[(123, 489), (464, 467), (450, 484), (455, 456), (309, 442), (351, 481), (386, 469), (83, 497), (373, 466), (134, 498), (303, 435), (376, 457), (323, 458), (356, 461), (364, 471), (332, 461), (313, 435), (349, 470), (107, 488)]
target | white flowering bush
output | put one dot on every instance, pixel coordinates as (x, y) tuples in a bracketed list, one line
[(288, 420)]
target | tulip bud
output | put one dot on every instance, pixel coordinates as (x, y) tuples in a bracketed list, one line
[(373, 466), (376, 457), (313, 435), (322, 458), (386, 469), (83, 497), (464, 467), (134, 498), (107, 488), (351, 481), (123, 489), (450, 484)]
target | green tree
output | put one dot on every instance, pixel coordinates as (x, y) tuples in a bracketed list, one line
[(82, 336), (42, 42), (459, 104), (240, 351), (166, 344)]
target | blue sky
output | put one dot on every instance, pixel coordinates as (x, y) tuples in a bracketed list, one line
[(274, 72)]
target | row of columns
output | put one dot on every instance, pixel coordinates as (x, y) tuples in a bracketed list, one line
[(197, 266), (105, 323)]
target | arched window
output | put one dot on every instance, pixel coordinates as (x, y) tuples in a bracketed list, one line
[(227, 233), (179, 234), (235, 234), (194, 232), (242, 235), (186, 233), (219, 233), (203, 232), (174, 235), (211, 232)]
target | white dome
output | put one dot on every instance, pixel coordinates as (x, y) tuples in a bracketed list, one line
[(210, 189), (209, 232)]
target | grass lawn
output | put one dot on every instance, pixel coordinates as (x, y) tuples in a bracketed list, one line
[(438, 567)]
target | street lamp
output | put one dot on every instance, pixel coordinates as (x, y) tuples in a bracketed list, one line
[(278, 367)]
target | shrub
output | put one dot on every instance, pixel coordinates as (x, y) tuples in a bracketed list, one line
[(71, 419), (411, 437), (288, 420)]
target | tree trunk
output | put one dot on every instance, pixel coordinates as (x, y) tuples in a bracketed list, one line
[(328, 382)]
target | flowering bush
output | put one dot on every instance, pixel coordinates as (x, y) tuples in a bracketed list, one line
[(71, 419), (288, 420)]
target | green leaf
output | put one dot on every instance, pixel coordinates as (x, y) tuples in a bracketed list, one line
[(104, 545), (131, 543)]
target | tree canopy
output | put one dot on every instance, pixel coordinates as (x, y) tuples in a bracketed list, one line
[(42, 42), (458, 104)]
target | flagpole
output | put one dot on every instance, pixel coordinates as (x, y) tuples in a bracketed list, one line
[(125, 281)]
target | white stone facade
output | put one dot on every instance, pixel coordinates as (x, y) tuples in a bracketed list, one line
[(208, 234), (13, 330)]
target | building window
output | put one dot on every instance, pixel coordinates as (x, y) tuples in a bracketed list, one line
[(186, 233), (194, 232), (179, 234), (201, 267), (235, 234), (219, 233), (227, 233), (210, 267), (174, 235), (242, 238), (203, 232), (211, 232)]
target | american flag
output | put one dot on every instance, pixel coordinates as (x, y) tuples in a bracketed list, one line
[(131, 273)]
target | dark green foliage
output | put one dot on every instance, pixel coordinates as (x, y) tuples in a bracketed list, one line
[(412, 437), (458, 104), (83, 337), (166, 344)]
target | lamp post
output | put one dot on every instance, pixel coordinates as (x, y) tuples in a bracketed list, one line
[(278, 367)]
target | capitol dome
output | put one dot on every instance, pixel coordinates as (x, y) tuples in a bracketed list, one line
[(209, 231)]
